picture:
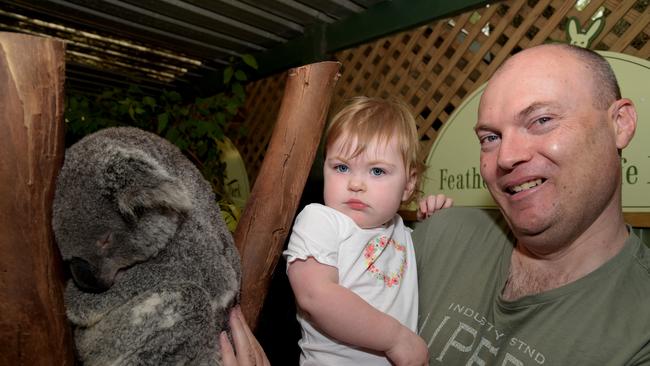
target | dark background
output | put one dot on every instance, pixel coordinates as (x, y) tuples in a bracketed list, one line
[(278, 330)]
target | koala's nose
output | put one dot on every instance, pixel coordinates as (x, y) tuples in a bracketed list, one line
[(83, 274)]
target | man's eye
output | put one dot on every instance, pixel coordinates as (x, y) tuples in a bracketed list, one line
[(488, 139), (377, 171), (542, 120), (341, 168)]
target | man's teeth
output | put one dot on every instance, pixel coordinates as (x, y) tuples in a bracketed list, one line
[(525, 186)]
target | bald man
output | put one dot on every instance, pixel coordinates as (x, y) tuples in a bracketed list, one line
[(555, 278)]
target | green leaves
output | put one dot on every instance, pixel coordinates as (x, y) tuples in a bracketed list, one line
[(227, 74), (163, 120), (249, 60), (238, 91), (149, 101), (240, 75), (194, 126)]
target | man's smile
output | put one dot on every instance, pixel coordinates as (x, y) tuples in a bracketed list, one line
[(525, 186)]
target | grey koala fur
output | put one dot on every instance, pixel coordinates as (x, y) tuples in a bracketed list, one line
[(154, 268)]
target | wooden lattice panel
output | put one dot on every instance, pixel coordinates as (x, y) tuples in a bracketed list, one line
[(435, 66), (261, 110)]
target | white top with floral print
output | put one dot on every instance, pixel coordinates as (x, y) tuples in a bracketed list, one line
[(377, 264)]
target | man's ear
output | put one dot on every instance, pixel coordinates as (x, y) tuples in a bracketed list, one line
[(410, 184), (623, 115), (139, 182)]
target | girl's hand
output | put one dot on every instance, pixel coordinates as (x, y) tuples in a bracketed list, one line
[(409, 349), (431, 204)]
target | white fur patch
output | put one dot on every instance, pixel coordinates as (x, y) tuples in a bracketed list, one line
[(169, 318), (119, 361), (144, 309), (160, 306), (224, 300)]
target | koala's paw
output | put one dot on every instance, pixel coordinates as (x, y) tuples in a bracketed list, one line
[(86, 309), (171, 325)]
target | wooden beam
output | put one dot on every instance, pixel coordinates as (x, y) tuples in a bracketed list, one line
[(33, 328), (272, 205)]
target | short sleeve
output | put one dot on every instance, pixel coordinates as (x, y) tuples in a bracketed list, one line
[(315, 234)]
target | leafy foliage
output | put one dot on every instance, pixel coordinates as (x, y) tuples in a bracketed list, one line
[(195, 126)]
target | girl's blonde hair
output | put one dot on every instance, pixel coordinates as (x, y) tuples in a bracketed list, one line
[(366, 119)]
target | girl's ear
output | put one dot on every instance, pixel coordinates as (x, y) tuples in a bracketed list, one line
[(411, 180), (623, 115)]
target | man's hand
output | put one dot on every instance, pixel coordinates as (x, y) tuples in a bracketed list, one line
[(248, 350)]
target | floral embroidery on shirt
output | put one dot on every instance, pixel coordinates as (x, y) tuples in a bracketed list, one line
[(373, 250)]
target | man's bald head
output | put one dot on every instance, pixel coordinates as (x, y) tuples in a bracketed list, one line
[(605, 88)]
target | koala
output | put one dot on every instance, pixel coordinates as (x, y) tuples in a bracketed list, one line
[(154, 270)]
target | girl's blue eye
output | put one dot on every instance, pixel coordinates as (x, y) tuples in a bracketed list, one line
[(377, 171), (341, 168)]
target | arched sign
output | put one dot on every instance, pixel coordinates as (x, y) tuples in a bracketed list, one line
[(453, 162)]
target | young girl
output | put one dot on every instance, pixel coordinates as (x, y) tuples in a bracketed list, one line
[(351, 262)]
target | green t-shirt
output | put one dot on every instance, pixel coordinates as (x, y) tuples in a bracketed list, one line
[(463, 257)]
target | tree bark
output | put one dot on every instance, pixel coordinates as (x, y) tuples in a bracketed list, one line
[(33, 327), (271, 207)]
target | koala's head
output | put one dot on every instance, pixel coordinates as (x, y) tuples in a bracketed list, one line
[(114, 207)]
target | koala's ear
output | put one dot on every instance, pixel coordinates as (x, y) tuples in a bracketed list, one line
[(137, 181)]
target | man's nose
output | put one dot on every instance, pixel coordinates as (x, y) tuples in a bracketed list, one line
[(513, 150)]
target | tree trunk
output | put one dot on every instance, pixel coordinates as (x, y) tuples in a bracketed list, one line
[(33, 328), (272, 205)]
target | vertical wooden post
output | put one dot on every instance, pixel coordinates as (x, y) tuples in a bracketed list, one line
[(272, 205), (33, 328)]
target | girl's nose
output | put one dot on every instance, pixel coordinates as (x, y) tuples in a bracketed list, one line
[(355, 184)]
